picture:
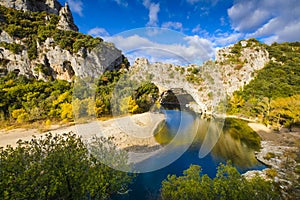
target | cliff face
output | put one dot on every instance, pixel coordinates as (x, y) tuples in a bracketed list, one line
[(56, 54), (210, 83), (50, 6), (238, 64), (66, 21), (53, 61)]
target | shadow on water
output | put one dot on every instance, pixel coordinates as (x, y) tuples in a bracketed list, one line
[(228, 147)]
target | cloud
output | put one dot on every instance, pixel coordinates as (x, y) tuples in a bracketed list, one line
[(197, 29), (153, 11), (195, 50), (76, 6), (98, 32), (121, 3), (173, 25), (222, 21), (213, 2), (276, 20), (226, 39)]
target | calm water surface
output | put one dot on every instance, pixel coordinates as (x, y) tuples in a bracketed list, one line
[(147, 185)]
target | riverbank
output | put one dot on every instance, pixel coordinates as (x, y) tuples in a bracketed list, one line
[(132, 133), (278, 151)]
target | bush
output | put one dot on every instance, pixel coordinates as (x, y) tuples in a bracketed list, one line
[(59, 167), (228, 184)]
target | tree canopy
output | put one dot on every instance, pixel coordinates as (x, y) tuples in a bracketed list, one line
[(228, 184), (58, 167)]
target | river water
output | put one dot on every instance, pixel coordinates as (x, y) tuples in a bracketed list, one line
[(188, 125)]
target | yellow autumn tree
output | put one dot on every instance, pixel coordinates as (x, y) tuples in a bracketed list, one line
[(20, 115), (66, 111), (286, 110), (128, 105)]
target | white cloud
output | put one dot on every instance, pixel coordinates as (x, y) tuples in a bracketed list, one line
[(213, 2), (153, 12), (121, 3), (195, 50), (276, 20), (226, 39), (197, 29), (76, 6), (222, 21), (173, 25), (97, 31)]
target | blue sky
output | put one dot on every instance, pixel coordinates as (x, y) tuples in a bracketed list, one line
[(194, 29)]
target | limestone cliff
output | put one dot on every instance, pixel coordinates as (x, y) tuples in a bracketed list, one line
[(210, 83), (50, 6), (47, 46), (53, 61), (66, 21)]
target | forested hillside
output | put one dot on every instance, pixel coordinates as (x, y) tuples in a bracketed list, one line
[(273, 96)]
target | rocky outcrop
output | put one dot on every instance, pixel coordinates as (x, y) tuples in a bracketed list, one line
[(50, 6), (210, 83), (239, 68), (52, 61), (66, 21)]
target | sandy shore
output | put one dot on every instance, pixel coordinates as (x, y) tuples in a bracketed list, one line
[(130, 131)]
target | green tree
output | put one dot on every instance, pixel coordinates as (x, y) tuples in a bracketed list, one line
[(236, 102), (228, 184), (263, 108), (189, 186), (57, 167)]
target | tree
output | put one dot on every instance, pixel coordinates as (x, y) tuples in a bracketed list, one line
[(128, 105), (228, 184), (66, 111), (286, 111), (20, 115), (57, 167), (263, 108), (189, 186), (236, 102)]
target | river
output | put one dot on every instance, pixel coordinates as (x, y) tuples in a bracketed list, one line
[(181, 126)]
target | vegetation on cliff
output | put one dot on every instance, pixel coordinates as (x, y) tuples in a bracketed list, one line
[(273, 96), (33, 27)]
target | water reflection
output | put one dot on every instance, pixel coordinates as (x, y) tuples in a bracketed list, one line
[(227, 147), (182, 127)]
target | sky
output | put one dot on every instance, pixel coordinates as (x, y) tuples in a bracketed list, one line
[(190, 31)]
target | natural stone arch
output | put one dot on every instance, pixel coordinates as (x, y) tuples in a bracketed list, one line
[(176, 98), (167, 77)]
